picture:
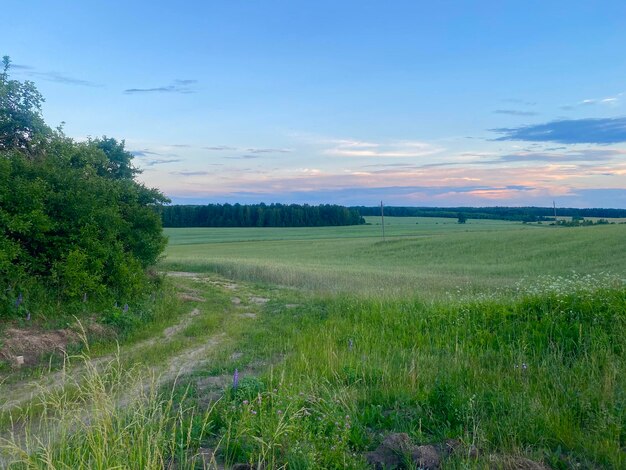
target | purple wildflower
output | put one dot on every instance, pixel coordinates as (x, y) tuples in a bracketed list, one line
[(125, 308), (18, 302), (236, 379), (350, 344)]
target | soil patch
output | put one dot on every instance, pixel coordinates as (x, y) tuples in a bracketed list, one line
[(32, 343)]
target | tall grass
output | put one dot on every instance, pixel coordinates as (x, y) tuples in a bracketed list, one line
[(105, 416), (538, 376)]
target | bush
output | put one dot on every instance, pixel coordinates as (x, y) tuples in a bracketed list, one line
[(72, 217)]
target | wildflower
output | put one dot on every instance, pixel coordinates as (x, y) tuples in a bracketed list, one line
[(253, 412), (524, 366), (245, 402), (125, 308), (18, 302), (85, 297), (236, 379), (280, 412), (350, 344)]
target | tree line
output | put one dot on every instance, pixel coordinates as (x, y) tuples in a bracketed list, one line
[(520, 214), (74, 222), (258, 215)]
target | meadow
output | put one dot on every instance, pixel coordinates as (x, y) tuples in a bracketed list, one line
[(426, 257), (490, 344)]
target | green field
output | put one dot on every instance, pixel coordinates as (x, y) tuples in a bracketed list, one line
[(428, 258), (509, 339)]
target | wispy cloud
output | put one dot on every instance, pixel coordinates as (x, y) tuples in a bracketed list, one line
[(606, 101), (161, 161), (515, 112), (585, 155), (219, 148), (190, 173), (21, 67), (243, 157), (402, 149), (53, 76), (143, 153), (177, 86), (572, 131), (268, 150)]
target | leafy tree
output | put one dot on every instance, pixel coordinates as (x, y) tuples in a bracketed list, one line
[(461, 218), (21, 124), (73, 220)]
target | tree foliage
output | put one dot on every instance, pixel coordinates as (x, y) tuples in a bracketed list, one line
[(259, 215), (21, 124), (526, 214), (73, 220)]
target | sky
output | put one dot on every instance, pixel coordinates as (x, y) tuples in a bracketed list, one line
[(439, 103)]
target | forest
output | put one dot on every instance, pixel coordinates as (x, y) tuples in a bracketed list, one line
[(522, 214), (258, 215)]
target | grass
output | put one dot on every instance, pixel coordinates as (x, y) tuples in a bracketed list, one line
[(426, 259), (478, 333)]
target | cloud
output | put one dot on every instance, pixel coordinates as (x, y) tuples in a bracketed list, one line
[(219, 148), (515, 112), (570, 131), (269, 150), (518, 101), (589, 155), (21, 67), (143, 153), (607, 101), (55, 76), (243, 157), (161, 161), (401, 149), (190, 173), (177, 86)]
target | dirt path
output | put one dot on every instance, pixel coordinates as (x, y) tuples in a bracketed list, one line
[(20, 393), (201, 348)]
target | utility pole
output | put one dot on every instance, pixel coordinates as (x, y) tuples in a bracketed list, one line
[(382, 216), (554, 205)]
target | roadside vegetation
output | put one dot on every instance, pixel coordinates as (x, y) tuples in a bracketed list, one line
[(78, 233)]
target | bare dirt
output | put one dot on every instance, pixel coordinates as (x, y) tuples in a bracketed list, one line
[(32, 343)]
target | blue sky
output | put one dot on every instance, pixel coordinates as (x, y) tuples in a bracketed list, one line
[(416, 103)]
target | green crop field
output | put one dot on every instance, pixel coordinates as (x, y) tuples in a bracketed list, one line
[(487, 344), (426, 257)]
